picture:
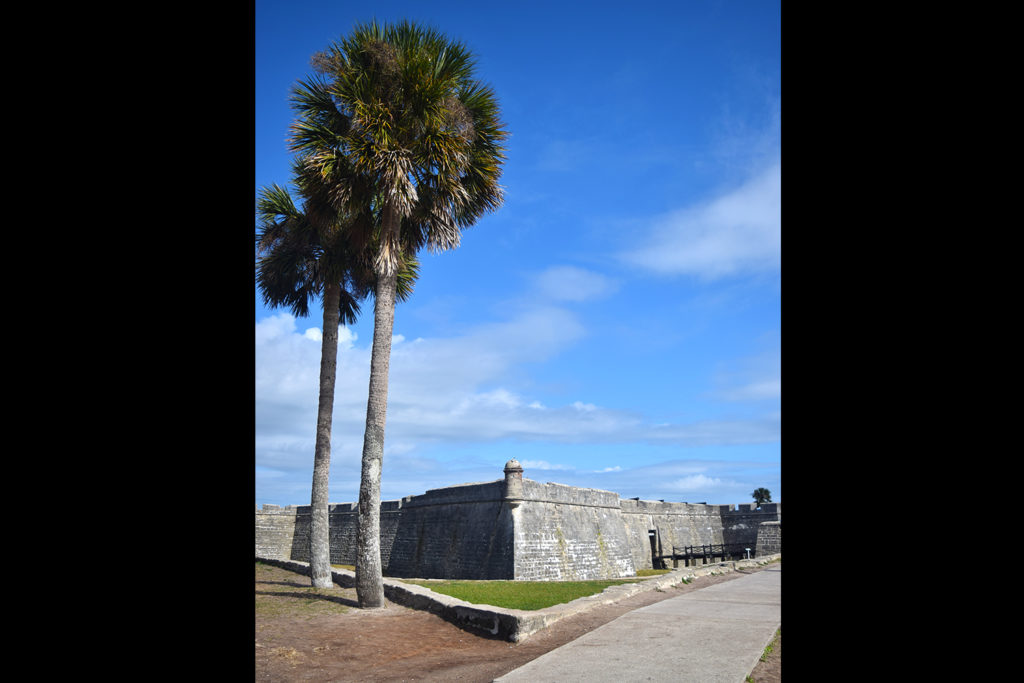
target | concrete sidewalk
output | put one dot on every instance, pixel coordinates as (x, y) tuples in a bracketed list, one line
[(712, 635)]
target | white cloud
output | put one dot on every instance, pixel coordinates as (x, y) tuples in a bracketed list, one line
[(739, 232), (756, 391), (440, 388), (346, 338), (543, 465), (497, 399), (764, 429), (443, 372), (457, 390), (287, 363), (696, 482), (453, 389), (757, 378), (274, 327), (569, 283)]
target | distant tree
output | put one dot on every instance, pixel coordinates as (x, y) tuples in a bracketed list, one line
[(762, 495)]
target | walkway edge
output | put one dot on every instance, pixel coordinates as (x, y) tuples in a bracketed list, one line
[(512, 624)]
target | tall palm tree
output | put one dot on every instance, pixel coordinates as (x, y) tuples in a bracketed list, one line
[(394, 120), (303, 255)]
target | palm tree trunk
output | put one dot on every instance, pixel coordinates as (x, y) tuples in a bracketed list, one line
[(369, 573), (319, 531)]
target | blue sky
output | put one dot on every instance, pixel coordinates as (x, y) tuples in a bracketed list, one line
[(617, 323)]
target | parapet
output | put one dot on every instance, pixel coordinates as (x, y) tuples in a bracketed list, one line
[(332, 508), (489, 492), (748, 508), (661, 507), (276, 509), (550, 492)]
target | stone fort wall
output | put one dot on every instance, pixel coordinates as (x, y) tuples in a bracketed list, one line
[(565, 533), (522, 529)]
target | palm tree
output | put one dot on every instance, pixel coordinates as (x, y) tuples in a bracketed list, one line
[(303, 255), (395, 121), (761, 495)]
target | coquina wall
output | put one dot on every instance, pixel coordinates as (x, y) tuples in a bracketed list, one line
[(460, 532), (769, 538), (673, 524), (283, 533), (564, 533), (677, 525), (522, 529)]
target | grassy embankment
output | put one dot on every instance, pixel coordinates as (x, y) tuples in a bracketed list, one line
[(527, 595)]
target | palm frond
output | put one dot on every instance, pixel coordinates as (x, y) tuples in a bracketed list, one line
[(408, 274), (286, 277), (312, 99), (275, 204)]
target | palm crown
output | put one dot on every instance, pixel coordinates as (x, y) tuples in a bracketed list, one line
[(296, 260), (300, 251), (395, 127), (762, 495)]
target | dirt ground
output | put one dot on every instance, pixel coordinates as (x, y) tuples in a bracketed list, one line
[(304, 634)]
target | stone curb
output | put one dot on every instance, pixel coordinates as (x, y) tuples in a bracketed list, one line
[(513, 624)]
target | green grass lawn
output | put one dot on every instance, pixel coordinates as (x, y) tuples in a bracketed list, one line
[(528, 595)]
